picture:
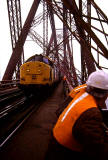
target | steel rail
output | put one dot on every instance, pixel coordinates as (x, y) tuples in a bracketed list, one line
[(18, 124)]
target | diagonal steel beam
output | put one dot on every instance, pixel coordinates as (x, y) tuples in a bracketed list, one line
[(71, 5), (19, 45)]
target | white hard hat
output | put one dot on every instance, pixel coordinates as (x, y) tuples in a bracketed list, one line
[(98, 79)]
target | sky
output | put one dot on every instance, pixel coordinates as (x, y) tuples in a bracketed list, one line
[(5, 41)]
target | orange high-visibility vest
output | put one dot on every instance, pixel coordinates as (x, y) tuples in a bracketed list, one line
[(76, 90), (63, 128)]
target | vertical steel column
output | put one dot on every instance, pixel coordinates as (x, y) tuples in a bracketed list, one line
[(14, 13), (64, 31), (82, 57), (83, 62), (72, 74), (81, 26), (51, 16), (44, 49)]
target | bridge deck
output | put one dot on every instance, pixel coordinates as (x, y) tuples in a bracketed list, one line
[(31, 141)]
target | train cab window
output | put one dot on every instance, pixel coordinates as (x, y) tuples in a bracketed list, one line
[(45, 60), (38, 58), (35, 58)]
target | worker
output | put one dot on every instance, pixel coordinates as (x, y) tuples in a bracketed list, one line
[(80, 132), (64, 78)]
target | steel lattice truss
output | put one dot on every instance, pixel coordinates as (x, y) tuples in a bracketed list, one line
[(78, 33), (14, 13)]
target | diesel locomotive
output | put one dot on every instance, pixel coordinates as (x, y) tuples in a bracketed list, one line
[(37, 73)]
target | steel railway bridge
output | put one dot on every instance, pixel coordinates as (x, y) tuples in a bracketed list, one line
[(71, 30), (74, 34)]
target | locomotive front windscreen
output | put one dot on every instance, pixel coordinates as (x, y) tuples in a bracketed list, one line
[(40, 58)]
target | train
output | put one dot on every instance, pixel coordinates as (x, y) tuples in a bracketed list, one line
[(38, 73)]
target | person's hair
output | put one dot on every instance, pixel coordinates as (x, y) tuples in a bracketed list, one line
[(96, 92)]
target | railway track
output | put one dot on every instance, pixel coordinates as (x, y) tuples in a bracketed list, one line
[(9, 96), (15, 109), (13, 116)]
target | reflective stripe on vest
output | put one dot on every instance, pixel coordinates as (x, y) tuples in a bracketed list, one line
[(63, 128)]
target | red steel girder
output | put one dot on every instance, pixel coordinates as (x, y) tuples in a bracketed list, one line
[(66, 44), (14, 13), (99, 10), (19, 45), (52, 21), (71, 5), (86, 51)]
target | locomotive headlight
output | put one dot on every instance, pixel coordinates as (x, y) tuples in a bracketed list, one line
[(38, 71), (28, 70)]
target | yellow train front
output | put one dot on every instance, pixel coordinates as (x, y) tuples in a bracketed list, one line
[(37, 73)]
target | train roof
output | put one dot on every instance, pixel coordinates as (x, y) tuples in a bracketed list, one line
[(39, 57), (32, 57)]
